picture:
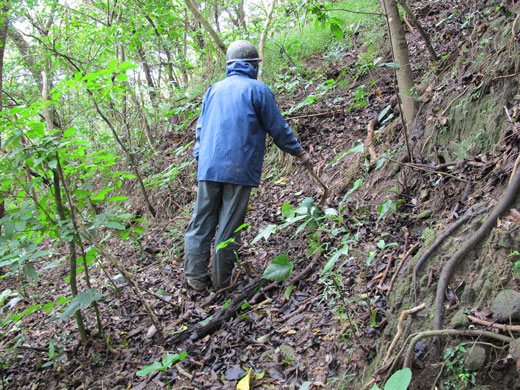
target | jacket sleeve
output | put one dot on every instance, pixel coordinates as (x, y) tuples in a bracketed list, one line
[(196, 148), (274, 124)]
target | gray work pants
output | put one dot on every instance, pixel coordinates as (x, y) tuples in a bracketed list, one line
[(221, 204)]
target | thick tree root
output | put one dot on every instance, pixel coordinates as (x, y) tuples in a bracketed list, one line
[(439, 241), (400, 328), (506, 202), (449, 332)]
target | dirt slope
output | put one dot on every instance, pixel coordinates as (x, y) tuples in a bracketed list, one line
[(332, 332)]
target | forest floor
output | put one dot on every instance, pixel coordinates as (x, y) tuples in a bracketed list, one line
[(321, 333)]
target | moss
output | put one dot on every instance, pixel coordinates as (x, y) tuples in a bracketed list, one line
[(485, 293)]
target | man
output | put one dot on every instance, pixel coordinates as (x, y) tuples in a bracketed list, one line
[(236, 115)]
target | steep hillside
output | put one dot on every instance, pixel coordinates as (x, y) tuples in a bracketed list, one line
[(359, 260)]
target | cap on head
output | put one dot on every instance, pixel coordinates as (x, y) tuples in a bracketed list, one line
[(241, 51)]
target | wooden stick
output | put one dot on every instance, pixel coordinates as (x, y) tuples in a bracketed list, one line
[(400, 328), (318, 114), (325, 188), (415, 166), (505, 328)]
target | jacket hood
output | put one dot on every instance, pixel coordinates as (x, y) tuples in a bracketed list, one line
[(242, 68)]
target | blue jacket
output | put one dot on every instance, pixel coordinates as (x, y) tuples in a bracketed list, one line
[(236, 115)]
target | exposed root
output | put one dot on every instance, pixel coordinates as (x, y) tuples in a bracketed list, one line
[(489, 324), (439, 241), (400, 328), (447, 271), (449, 332)]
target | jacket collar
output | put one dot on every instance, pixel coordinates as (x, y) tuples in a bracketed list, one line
[(242, 68)]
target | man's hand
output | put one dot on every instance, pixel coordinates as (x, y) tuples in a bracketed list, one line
[(305, 158)]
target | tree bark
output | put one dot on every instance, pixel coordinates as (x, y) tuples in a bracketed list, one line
[(3, 40), (194, 10), (401, 58), (263, 36)]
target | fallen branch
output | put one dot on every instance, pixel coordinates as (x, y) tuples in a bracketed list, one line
[(426, 169), (400, 328), (439, 241), (302, 307), (447, 271), (490, 324), (200, 330), (317, 114), (449, 332)]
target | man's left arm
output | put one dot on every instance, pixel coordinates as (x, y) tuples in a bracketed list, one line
[(273, 122)]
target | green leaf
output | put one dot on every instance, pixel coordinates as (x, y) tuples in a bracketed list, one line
[(334, 258), (126, 65), (116, 199), (383, 113), (19, 226), (70, 132), (122, 77), (287, 210), (206, 320), (114, 225), (392, 65), (288, 291), (156, 366), (171, 358), (336, 30), (279, 270), (53, 164), (30, 271), (80, 301), (305, 385), (264, 233), (113, 64), (3, 296), (138, 229), (357, 148), (399, 380)]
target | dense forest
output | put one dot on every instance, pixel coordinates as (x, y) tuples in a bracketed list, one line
[(390, 261)]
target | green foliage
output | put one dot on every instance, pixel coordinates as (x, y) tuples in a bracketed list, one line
[(279, 269), (389, 205), (79, 301), (460, 377), (398, 381), (163, 365)]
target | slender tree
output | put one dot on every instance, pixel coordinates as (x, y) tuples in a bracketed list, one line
[(207, 26), (4, 18), (402, 59)]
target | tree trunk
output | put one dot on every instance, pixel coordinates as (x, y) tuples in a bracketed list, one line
[(194, 10), (401, 58), (263, 36), (3, 40)]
